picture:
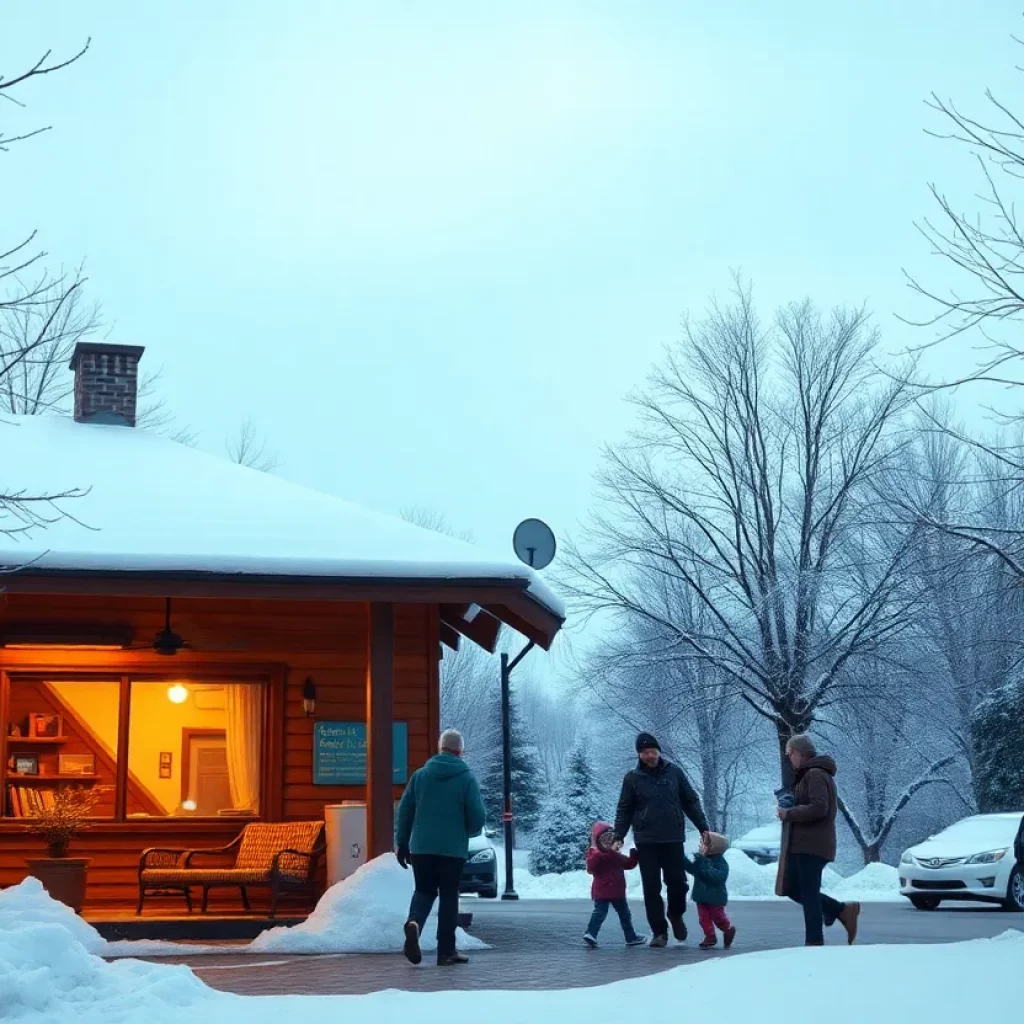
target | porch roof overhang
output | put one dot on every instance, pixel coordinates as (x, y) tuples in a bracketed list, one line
[(474, 608)]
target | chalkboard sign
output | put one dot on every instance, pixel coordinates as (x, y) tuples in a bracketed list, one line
[(339, 753)]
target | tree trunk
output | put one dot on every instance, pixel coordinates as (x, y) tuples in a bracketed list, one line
[(784, 734), (709, 779)]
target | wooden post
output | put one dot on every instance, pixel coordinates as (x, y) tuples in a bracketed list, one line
[(380, 803)]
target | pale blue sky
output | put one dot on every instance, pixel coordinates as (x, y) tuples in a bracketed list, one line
[(429, 247)]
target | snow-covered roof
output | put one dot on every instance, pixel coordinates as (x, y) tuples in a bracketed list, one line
[(153, 505)]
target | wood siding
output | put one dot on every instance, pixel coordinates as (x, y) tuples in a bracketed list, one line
[(283, 641)]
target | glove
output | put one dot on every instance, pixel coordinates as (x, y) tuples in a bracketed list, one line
[(402, 856), (633, 852)]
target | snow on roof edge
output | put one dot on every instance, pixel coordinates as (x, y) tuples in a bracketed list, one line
[(90, 563)]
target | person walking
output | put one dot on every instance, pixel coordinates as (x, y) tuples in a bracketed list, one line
[(710, 872), (608, 865), (440, 811), (808, 816), (655, 801)]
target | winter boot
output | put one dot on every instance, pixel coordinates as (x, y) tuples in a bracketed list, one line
[(678, 929), (848, 919), (590, 941), (728, 935), (708, 942), (452, 959), (637, 940), (658, 942), (412, 942)]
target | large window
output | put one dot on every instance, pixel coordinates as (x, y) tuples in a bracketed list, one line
[(191, 747)]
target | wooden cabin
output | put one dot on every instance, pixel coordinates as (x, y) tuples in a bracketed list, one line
[(184, 636)]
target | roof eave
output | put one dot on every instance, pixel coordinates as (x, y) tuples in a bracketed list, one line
[(507, 599)]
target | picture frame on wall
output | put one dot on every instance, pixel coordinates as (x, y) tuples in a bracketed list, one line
[(166, 764), (26, 764), (76, 764)]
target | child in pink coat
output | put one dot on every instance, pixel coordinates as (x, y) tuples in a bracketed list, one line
[(607, 864)]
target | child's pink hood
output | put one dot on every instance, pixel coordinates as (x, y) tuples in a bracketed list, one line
[(598, 830)]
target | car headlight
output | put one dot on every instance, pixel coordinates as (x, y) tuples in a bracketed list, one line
[(907, 858), (482, 857), (987, 858)]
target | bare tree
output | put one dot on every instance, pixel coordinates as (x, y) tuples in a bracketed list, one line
[(984, 247), (889, 753), (247, 448), (20, 512), (431, 519), (750, 483), (639, 673)]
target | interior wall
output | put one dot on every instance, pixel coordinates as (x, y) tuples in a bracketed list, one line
[(156, 725)]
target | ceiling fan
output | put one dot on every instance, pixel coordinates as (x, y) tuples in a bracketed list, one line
[(168, 643)]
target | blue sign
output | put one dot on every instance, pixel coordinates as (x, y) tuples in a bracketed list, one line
[(339, 753)]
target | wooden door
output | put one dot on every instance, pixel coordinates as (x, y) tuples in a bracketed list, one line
[(205, 771)]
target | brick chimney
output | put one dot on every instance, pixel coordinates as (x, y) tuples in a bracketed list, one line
[(106, 382)]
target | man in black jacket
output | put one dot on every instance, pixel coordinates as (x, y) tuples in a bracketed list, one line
[(656, 799)]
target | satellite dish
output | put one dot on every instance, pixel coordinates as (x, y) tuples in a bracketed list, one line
[(534, 543)]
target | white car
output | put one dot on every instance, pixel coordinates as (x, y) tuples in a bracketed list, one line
[(972, 860), (762, 844)]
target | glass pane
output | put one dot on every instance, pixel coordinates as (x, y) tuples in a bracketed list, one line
[(195, 749), (61, 735)]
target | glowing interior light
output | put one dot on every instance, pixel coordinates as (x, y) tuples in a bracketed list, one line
[(188, 805), (177, 694)]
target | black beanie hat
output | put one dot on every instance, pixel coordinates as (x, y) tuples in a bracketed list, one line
[(645, 741)]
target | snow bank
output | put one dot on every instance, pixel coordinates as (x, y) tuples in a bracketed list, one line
[(875, 883), (362, 914), (28, 903), (49, 970), (747, 881)]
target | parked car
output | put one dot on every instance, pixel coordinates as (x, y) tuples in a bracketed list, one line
[(480, 875), (972, 860), (761, 844)]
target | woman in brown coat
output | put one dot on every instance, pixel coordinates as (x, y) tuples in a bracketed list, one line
[(809, 842)]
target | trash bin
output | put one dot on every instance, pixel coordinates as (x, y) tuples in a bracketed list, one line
[(346, 838)]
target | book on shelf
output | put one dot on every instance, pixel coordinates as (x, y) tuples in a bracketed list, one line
[(27, 801)]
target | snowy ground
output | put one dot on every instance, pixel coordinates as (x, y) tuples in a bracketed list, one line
[(365, 913), (747, 881), (47, 975)]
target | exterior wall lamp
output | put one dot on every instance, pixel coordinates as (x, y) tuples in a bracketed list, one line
[(309, 697)]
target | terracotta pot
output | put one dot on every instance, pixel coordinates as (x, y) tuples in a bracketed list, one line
[(62, 877)]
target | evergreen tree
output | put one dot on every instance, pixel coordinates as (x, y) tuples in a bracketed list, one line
[(527, 773), (563, 832), (997, 729)]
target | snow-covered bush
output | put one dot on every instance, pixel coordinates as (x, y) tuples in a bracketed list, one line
[(998, 736)]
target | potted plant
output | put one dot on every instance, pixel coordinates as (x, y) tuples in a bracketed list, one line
[(63, 877)]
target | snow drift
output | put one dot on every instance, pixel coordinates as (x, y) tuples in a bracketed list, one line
[(49, 970), (362, 914), (48, 977), (28, 903)]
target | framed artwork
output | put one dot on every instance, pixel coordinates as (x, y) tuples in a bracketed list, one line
[(166, 764), (76, 764), (26, 764)]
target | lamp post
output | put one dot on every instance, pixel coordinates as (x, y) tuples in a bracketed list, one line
[(506, 744), (534, 544)]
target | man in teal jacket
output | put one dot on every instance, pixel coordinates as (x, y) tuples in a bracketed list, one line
[(441, 809)]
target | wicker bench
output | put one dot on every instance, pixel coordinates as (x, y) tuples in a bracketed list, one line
[(281, 857)]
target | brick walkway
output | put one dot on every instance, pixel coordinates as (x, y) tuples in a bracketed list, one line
[(537, 946)]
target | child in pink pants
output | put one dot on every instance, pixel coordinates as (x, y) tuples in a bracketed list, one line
[(710, 871)]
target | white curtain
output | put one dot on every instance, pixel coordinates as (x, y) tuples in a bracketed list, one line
[(244, 706)]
